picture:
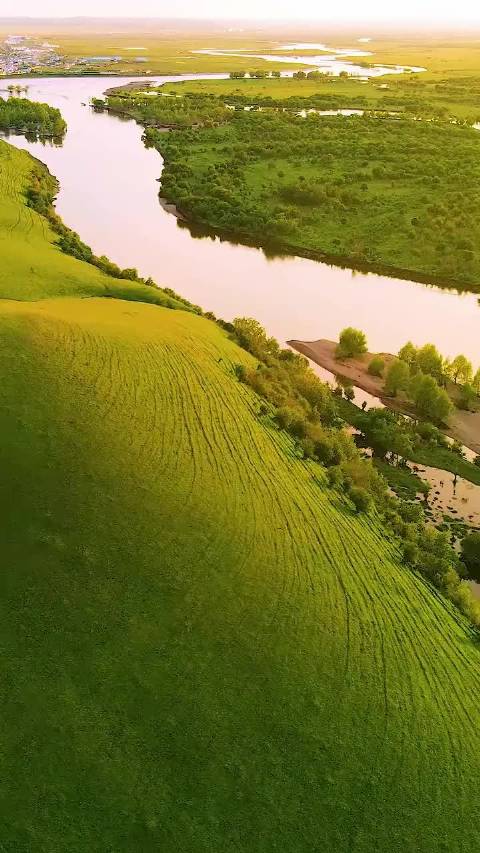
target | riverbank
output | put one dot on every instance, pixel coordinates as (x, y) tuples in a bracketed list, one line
[(309, 207), (280, 249), (463, 426)]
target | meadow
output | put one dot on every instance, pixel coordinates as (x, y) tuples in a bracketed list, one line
[(416, 94), (203, 646), (386, 193), (183, 660), (170, 47)]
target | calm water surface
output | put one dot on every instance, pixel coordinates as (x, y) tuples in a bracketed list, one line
[(109, 194)]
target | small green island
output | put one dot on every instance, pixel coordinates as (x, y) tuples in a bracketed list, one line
[(21, 115)]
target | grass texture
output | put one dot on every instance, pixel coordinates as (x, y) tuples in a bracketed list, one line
[(202, 647)]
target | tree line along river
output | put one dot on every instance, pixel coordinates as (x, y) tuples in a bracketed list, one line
[(109, 195)]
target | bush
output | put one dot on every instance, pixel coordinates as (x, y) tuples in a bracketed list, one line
[(376, 366), (360, 498), (471, 555), (467, 398), (352, 344)]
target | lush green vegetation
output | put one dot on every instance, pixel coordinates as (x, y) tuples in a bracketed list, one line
[(186, 601), (153, 108), (455, 99), (191, 609), (37, 119), (471, 554), (307, 409), (345, 187), (404, 482), (390, 435)]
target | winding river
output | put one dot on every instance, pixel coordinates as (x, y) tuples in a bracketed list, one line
[(109, 194)]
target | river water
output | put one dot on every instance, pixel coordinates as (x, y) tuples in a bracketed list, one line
[(109, 195)]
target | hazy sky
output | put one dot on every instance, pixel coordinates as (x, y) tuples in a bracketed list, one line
[(436, 11)]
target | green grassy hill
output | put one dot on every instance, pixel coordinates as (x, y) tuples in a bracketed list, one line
[(202, 647)]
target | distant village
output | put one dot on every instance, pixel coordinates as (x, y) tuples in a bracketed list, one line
[(21, 54)]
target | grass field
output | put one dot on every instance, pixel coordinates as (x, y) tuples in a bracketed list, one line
[(169, 47), (195, 657), (203, 648), (458, 99)]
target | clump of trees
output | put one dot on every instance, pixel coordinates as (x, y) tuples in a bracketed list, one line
[(39, 120), (471, 554), (431, 402), (422, 374)]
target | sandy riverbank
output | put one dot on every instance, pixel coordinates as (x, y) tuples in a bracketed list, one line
[(463, 426)]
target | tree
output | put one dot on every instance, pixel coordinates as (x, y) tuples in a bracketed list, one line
[(252, 337), (430, 361), (467, 398), (431, 401), (471, 554), (460, 370), (397, 378), (360, 498), (376, 366), (476, 382), (352, 344), (408, 354), (383, 434)]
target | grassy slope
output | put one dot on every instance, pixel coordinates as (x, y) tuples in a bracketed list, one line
[(32, 267), (201, 650)]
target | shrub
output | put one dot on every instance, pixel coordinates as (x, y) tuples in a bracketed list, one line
[(410, 553), (335, 476), (240, 372), (467, 398), (352, 343), (471, 554), (376, 366), (360, 498)]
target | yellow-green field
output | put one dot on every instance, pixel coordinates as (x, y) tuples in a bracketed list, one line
[(203, 648), (463, 103), (169, 47)]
